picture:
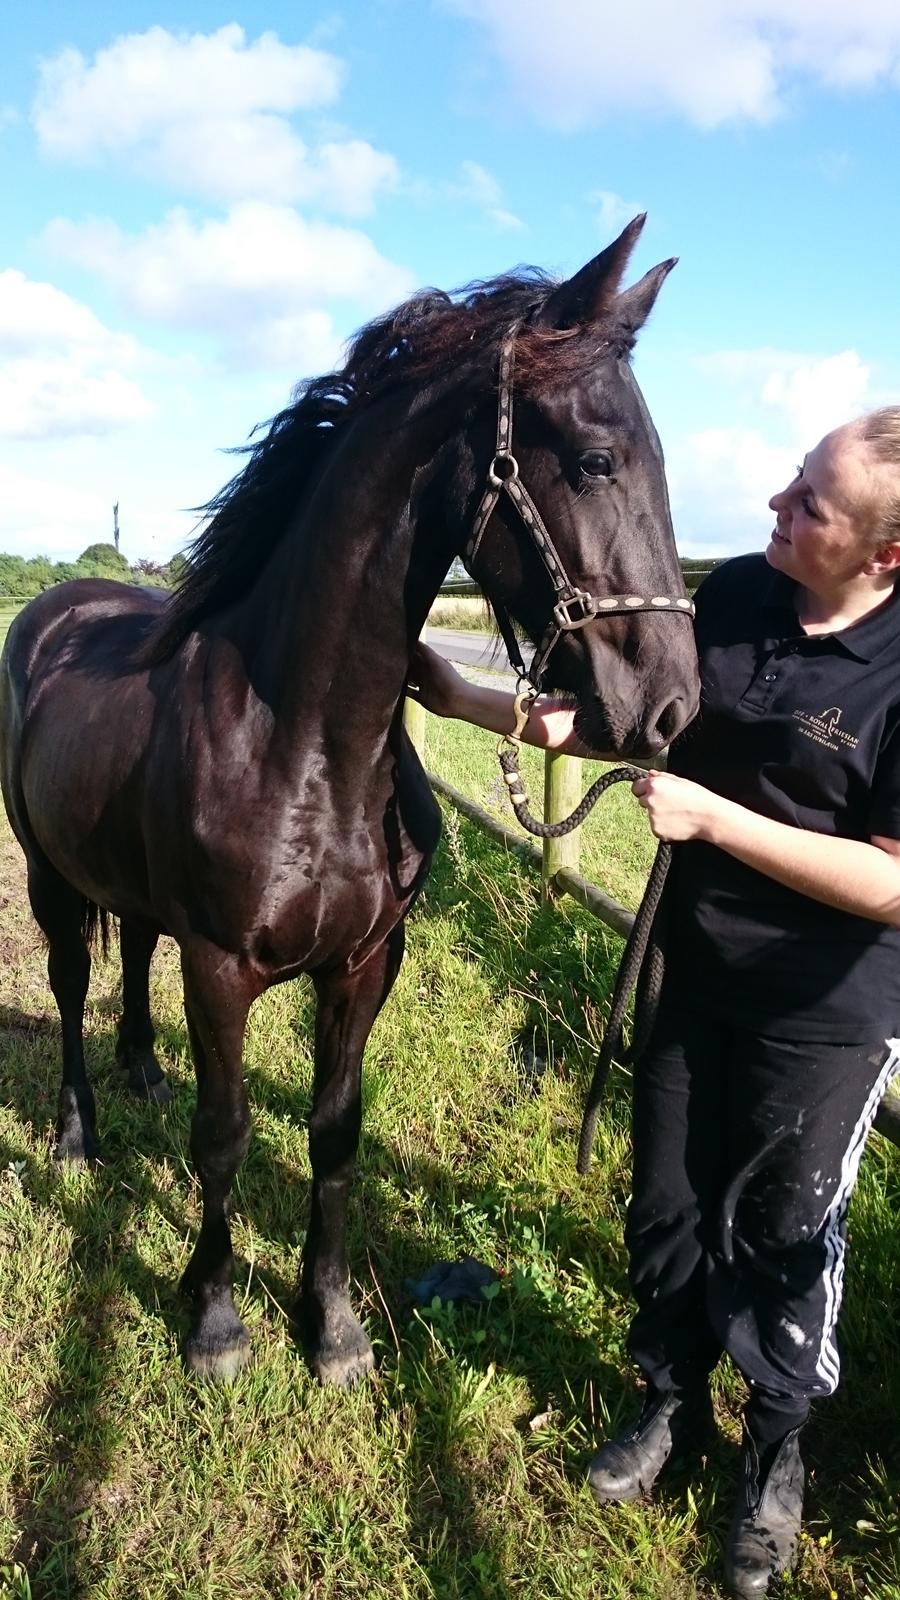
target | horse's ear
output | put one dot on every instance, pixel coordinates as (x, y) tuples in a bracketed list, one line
[(591, 294), (633, 306)]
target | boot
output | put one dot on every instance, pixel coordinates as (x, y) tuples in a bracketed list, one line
[(764, 1539), (669, 1424)]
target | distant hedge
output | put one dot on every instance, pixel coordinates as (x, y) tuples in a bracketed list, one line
[(22, 577)]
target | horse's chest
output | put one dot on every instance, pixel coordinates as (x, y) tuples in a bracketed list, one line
[(320, 913), (293, 899)]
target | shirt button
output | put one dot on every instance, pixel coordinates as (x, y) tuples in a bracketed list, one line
[(770, 677)]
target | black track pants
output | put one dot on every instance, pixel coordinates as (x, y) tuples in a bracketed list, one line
[(746, 1150)]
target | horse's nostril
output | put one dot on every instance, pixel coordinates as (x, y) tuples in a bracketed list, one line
[(674, 716)]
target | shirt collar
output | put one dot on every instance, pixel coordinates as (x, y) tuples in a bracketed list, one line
[(863, 640)]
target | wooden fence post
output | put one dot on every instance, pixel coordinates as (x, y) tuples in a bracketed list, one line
[(414, 718), (563, 788)]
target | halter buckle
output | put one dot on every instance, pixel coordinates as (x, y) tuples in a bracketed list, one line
[(505, 459), (563, 615)]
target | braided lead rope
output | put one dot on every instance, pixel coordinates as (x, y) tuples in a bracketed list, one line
[(642, 962), (509, 765)]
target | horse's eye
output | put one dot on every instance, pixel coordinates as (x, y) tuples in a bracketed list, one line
[(596, 464)]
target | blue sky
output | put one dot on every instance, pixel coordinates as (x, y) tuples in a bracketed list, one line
[(200, 204)]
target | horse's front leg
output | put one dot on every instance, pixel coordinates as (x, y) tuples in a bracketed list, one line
[(217, 998), (348, 1003)]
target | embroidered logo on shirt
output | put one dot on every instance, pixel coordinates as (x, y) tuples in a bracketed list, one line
[(826, 729)]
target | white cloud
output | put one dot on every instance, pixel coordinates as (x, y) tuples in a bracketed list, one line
[(813, 394), (474, 188), (477, 187), (53, 515), (45, 399), (143, 82), (722, 478), (506, 221), (60, 371), (710, 61), (299, 342), (720, 481), (256, 280), (612, 211), (208, 114), (347, 176)]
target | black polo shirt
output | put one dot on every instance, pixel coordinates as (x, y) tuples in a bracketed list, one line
[(806, 730)]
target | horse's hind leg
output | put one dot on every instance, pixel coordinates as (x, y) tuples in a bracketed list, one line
[(348, 1004), (216, 1003), (59, 911), (134, 1047)]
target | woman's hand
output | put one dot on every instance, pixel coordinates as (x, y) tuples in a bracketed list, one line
[(434, 683), (676, 808)]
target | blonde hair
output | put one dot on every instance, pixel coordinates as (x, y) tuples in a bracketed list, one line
[(881, 431)]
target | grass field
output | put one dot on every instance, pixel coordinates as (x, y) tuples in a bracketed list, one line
[(461, 611), (457, 1471)]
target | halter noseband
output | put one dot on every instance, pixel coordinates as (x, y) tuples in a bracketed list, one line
[(573, 607)]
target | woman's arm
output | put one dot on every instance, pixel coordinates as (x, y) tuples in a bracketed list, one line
[(441, 689), (855, 876)]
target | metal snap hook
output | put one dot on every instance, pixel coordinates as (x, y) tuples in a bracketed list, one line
[(522, 704)]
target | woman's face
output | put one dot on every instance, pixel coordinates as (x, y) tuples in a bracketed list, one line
[(824, 518)]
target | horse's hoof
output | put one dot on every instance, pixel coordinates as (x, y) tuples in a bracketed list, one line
[(75, 1148), (340, 1367), (343, 1368), (155, 1094), (336, 1347), (219, 1362), (145, 1080)]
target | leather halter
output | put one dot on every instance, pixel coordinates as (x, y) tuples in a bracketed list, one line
[(573, 607)]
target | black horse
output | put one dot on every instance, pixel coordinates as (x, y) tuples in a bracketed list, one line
[(228, 765)]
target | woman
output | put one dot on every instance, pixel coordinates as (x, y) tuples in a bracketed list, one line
[(777, 1032)]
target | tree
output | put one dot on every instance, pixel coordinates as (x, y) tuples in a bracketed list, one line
[(103, 555), (150, 571), (21, 578)]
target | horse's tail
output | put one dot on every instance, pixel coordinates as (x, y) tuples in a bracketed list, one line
[(95, 921)]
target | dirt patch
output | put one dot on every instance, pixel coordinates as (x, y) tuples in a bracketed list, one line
[(13, 881)]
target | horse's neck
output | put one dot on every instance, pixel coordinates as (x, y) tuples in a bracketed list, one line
[(338, 608)]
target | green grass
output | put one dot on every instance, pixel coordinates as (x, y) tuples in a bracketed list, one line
[(458, 1470)]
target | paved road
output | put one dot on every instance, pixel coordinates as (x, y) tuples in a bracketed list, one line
[(472, 649)]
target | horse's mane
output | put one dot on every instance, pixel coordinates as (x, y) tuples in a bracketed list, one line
[(427, 335)]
